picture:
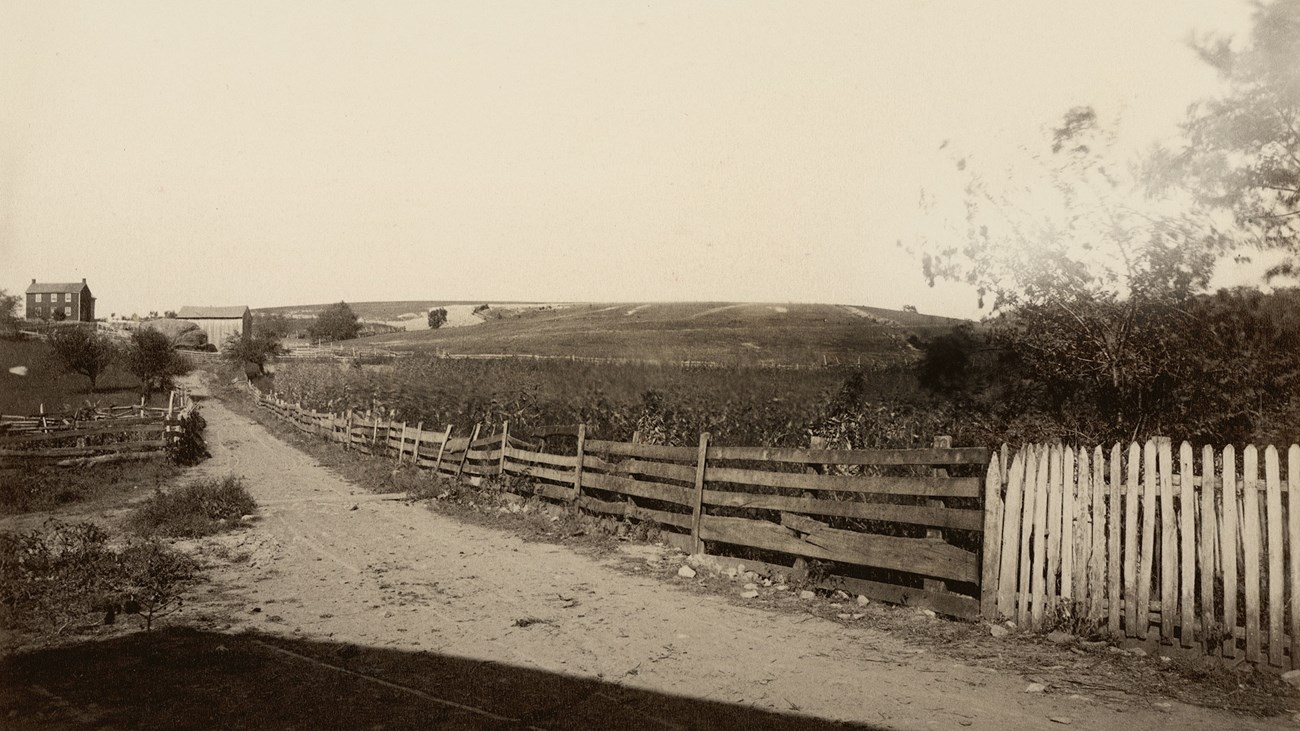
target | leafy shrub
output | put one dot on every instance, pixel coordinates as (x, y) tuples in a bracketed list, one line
[(199, 509), (150, 575), (56, 575), (151, 358)]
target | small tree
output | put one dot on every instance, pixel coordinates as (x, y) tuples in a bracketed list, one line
[(151, 358), (336, 322), (256, 349), (58, 315), (82, 350), (8, 313), (437, 318)]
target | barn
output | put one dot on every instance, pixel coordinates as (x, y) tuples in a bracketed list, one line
[(220, 322)]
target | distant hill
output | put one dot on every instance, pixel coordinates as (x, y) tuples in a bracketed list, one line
[(733, 333)]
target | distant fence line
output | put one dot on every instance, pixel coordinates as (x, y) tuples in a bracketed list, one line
[(1120, 541), (94, 436)]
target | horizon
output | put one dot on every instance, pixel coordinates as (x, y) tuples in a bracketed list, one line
[(566, 153)]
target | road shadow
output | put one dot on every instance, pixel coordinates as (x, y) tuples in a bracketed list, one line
[(192, 679)]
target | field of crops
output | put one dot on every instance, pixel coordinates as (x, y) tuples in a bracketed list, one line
[(666, 404)]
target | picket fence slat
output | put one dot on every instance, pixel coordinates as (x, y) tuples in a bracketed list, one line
[(1008, 572), (1206, 539), (1251, 546), (1293, 541), (1114, 522), (1276, 552), (1229, 547), (1187, 543), (1038, 583)]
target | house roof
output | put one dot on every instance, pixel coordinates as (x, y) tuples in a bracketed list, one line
[(190, 312), (43, 287)]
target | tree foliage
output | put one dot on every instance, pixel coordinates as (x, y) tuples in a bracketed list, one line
[(152, 359), (9, 313), (336, 322), (256, 349), (1242, 149), (83, 350), (437, 318)]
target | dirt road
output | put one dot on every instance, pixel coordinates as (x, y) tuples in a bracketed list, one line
[(542, 636)]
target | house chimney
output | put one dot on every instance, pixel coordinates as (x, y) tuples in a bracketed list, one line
[(33, 280), (83, 280)]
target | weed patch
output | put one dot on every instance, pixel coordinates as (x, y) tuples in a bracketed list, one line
[(199, 509), (36, 488), (61, 576)]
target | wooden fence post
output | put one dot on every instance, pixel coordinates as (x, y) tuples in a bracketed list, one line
[(698, 508), (415, 450), (577, 471), (401, 444), (442, 449), (991, 541), (936, 534), (505, 444), (465, 457)]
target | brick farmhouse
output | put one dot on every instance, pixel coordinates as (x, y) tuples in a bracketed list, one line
[(46, 301)]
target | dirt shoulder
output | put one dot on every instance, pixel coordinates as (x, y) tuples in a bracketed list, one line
[(462, 625)]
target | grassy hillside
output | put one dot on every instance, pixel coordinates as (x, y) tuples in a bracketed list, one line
[(719, 332), (45, 384)]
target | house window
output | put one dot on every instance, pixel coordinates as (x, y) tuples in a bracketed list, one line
[(40, 298), (67, 311), (67, 297)]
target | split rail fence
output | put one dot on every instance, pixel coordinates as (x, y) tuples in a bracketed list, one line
[(87, 437), (1131, 541)]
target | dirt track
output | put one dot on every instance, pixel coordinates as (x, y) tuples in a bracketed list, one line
[(330, 563)]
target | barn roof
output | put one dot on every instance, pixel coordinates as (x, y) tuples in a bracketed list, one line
[(190, 312), (42, 287)]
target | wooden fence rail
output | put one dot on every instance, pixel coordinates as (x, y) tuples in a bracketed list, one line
[(1149, 541), (863, 513), (95, 436)]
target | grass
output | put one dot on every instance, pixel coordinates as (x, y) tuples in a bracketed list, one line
[(47, 488), (46, 385), (744, 334), (201, 508)]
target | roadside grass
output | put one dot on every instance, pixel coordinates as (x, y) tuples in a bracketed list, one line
[(45, 384), (40, 488), (198, 509)]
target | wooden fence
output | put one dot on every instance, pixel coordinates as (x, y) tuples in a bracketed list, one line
[(888, 524), (1198, 550), (94, 436)]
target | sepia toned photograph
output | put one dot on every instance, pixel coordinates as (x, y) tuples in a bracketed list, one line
[(893, 364)]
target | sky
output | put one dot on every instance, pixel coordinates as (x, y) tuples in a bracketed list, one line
[(185, 153)]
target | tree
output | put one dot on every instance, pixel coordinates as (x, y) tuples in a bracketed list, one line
[(437, 318), (152, 359), (256, 349), (276, 324), (1092, 285), (1242, 149), (336, 322), (58, 315), (9, 313), (83, 350)]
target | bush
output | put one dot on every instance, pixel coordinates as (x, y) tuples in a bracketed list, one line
[(336, 322), (199, 509), (150, 578), (57, 575)]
